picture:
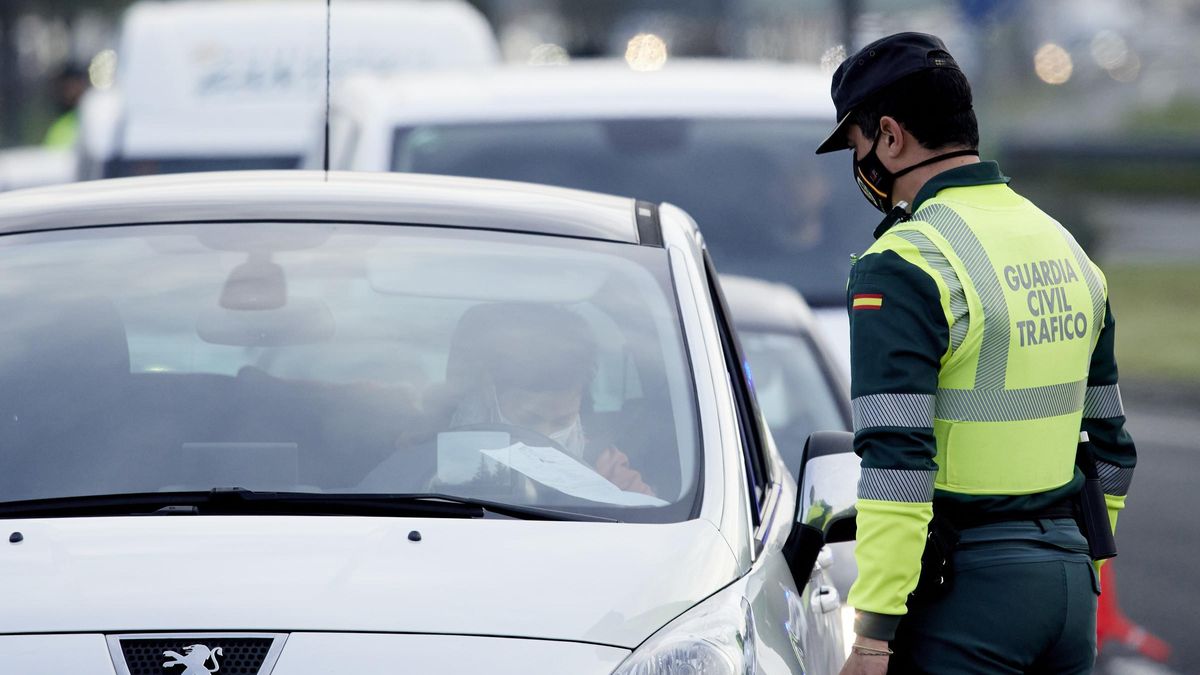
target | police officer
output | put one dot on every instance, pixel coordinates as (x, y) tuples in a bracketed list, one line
[(982, 345), (69, 87)]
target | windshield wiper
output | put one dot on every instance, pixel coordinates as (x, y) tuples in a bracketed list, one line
[(521, 511), (240, 501)]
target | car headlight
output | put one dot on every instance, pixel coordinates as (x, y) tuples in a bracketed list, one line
[(716, 637)]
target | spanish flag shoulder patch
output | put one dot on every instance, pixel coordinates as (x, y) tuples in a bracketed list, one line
[(867, 301)]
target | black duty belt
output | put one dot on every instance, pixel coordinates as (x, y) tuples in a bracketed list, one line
[(937, 560), (966, 521)]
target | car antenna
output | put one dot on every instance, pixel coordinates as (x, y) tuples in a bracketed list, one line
[(328, 33)]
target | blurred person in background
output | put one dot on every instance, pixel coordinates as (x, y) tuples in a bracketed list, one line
[(982, 345), (69, 85)]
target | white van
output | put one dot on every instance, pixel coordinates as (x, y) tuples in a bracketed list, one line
[(218, 84)]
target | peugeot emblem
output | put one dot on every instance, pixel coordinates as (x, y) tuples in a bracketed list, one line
[(194, 659)]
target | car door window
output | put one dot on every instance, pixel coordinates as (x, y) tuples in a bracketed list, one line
[(749, 421)]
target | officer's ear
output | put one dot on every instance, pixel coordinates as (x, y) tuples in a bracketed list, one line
[(891, 137)]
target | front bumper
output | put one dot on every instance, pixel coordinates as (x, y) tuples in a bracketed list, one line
[(309, 653)]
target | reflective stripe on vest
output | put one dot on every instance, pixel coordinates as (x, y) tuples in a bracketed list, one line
[(993, 353), (1010, 405), (1095, 288), (958, 299)]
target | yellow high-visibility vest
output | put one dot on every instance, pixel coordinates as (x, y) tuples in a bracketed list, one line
[(1024, 306)]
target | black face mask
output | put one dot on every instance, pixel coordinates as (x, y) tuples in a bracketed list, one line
[(876, 182)]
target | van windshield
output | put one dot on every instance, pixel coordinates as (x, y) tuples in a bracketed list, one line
[(768, 206), (345, 359), (148, 166)]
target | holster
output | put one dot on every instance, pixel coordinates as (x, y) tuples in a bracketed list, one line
[(1093, 511), (937, 560)]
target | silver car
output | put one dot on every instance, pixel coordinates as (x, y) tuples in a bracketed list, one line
[(318, 424)]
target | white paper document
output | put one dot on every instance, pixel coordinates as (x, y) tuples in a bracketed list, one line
[(458, 458), (564, 473)]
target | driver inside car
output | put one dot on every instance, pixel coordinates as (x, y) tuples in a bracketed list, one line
[(533, 367)]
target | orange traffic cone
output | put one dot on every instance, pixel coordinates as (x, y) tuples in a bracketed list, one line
[(1112, 625)]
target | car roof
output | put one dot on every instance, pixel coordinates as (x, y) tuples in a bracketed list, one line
[(308, 196), (598, 88), (766, 305)]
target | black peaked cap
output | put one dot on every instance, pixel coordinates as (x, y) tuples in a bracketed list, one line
[(876, 66)]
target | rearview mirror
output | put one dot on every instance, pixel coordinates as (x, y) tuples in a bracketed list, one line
[(825, 501), (302, 321), (257, 284)]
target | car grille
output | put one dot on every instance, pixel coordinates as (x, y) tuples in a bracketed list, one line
[(239, 655)]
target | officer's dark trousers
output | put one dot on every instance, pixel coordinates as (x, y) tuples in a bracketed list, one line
[(1023, 600)]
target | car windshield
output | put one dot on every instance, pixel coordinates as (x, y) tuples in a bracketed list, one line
[(767, 205), (335, 359), (795, 391)]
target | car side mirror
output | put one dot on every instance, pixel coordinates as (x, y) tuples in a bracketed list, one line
[(825, 500)]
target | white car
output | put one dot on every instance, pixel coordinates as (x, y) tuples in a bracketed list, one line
[(730, 142), (203, 85), (284, 423)]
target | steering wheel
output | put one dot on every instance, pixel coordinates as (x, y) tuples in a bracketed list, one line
[(534, 490), (515, 433)]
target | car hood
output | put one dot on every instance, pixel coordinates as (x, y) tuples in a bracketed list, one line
[(604, 583)]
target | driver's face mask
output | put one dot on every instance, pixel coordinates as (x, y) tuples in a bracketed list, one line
[(570, 437)]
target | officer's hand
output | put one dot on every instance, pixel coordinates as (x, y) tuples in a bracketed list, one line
[(871, 663), (860, 664)]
